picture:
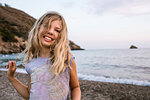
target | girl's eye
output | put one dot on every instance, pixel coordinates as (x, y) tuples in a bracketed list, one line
[(58, 31)]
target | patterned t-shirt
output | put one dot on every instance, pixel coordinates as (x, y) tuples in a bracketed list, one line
[(44, 84)]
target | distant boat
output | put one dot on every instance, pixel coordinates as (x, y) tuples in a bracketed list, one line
[(133, 47)]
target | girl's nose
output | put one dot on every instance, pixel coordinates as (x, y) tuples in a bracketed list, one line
[(51, 31)]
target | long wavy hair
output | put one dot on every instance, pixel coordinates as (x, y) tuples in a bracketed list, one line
[(59, 52)]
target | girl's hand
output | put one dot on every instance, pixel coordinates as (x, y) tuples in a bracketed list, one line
[(11, 69)]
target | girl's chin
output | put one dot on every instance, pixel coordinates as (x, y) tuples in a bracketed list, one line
[(47, 45)]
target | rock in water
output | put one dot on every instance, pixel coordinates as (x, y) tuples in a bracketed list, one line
[(133, 47)]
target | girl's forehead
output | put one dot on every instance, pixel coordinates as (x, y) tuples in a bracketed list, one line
[(56, 22), (51, 18)]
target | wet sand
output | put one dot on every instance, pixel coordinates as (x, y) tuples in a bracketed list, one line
[(91, 90)]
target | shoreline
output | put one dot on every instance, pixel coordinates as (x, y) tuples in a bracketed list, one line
[(100, 79), (91, 90)]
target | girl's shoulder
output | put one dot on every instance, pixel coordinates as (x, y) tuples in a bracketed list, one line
[(29, 65), (71, 60), (31, 61)]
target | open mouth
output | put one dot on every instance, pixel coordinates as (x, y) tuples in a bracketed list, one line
[(48, 38)]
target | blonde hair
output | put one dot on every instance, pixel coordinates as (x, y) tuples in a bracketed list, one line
[(60, 51)]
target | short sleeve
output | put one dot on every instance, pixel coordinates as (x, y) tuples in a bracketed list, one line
[(71, 60), (28, 69)]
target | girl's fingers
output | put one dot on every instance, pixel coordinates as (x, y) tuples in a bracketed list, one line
[(14, 63), (11, 64)]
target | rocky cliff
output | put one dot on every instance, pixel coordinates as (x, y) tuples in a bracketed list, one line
[(14, 27)]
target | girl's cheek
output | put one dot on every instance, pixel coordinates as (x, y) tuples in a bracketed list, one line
[(39, 36), (56, 36), (41, 29)]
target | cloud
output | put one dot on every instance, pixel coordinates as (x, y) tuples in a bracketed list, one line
[(68, 4), (119, 7)]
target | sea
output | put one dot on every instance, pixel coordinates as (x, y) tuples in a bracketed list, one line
[(125, 66)]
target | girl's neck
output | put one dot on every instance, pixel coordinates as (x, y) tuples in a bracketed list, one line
[(44, 52)]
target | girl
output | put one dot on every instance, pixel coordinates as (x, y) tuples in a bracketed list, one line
[(50, 66)]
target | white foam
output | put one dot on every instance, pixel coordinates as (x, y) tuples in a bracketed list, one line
[(19, 70), (112, 80), (98, 78)]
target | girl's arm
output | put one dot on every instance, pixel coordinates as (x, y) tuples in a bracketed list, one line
[(23, 90), (74, 83)]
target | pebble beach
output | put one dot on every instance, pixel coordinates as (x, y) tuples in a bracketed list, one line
[(91, 90)]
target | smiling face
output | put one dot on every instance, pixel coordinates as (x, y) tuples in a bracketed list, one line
[(48, 34)]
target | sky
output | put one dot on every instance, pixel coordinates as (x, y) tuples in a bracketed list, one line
[(97, 24)]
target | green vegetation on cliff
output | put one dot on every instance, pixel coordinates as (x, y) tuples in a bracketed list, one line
[(7, 35)]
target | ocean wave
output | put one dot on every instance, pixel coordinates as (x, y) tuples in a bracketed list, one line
[(19, 70), (113, 80), (99, 78)]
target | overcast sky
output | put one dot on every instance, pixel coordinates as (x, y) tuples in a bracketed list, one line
[(97, 24)]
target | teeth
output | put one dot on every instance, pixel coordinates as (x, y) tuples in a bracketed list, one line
[(48, 38)]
